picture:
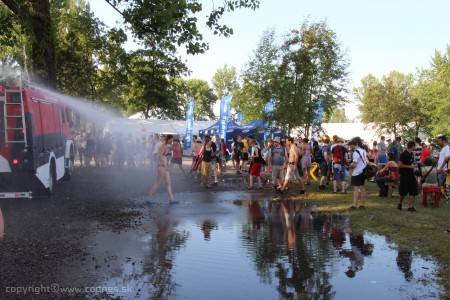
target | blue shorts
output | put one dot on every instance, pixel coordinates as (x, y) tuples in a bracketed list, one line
[(338, 172)]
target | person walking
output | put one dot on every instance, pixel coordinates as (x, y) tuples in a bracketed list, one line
[(208, 150), (163, 169), (277, 162), (359, 161), (292, 169)]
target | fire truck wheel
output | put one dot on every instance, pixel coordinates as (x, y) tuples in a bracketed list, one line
[(51, 179), (68, 170)]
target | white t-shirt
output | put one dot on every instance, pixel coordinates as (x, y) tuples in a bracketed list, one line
[(360, 161), (445, 152)]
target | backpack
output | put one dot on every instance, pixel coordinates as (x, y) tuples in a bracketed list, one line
[(338, 154), (318, 155)]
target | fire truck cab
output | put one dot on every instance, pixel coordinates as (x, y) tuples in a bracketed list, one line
[(36, 148)]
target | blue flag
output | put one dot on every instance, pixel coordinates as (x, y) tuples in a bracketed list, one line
[(269, 108), (240, 117), (189, 125), (225, 104)]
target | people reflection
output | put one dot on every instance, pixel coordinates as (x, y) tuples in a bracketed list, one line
[(256, 214), (359, 249), (404, 260), (206, 227), (290, 218), (2, 225)]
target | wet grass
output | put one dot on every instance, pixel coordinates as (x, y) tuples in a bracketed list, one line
[(424, 232)]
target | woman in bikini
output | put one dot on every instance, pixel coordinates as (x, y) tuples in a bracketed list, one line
[(163, 168)]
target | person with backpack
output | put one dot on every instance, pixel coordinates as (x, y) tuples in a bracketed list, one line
[(257, 162), (322, 157), (237, 150), (359, 162), (277, 162), (338, 153)]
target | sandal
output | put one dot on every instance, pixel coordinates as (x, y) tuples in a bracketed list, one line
[(260, 188), (250, 187)]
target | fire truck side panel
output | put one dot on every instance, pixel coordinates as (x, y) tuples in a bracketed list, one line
[(26, 169)]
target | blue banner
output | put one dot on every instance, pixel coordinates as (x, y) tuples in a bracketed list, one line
[(189, 125), (225, 105), (240, 118), (269, 108)]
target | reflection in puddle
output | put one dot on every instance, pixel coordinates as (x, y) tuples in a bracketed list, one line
[(2, 225), (258, 248)]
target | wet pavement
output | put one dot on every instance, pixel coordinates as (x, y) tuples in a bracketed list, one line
[(215, 244)]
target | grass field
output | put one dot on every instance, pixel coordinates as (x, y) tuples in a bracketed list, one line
[(424, 232)]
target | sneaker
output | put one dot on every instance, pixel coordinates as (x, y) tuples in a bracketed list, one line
[(215, 184), (362, 207), (322, 187), (302, 192), (265, 181), (399, 206), (344, 192), (412, 209), (334, 192), (353, 207), (238, 172)]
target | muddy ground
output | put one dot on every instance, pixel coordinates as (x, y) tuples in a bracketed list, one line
[(45, 245)]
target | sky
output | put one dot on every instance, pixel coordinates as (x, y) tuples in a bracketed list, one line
[(379, 35)]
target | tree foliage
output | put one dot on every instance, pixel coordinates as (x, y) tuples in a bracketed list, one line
[(202, 94), (336, 115), (390, 104), (433, 93), (313, 72), (224, 81), (258, 78)]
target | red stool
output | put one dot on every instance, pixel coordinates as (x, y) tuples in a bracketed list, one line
[(431, 189)]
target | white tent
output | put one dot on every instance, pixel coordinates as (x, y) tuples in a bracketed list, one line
[(350, 130), (149, 126)]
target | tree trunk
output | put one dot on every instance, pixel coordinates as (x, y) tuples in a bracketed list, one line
[(43, 47), (35, 18)]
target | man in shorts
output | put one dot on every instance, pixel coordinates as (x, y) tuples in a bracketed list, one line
[(277, 162), (292, 169), (408, 182), (359, 162)]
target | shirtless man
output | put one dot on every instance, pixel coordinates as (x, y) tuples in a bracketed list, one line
[(292, 169)]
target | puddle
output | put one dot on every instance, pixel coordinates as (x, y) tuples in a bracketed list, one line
[(240, 246)]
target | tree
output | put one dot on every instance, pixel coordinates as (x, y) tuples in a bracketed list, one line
[(203, 96), (173, 23), (313, 72), (80, 37), (389, 104), (336, 115), (224, 81), (34, 19), (433, 93), (258, 78)]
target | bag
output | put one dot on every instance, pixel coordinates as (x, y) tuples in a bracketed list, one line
[(368, 171), (338, 154), (422, 181), (238, 148), (197, 162), (318, 155)]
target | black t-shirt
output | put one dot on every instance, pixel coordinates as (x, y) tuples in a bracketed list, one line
[(407, 159), (238, 146), (208, 155)]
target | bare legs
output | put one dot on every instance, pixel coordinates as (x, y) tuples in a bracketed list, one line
[(163, 174)]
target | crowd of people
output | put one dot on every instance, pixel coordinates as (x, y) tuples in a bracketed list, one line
[(343, 163)]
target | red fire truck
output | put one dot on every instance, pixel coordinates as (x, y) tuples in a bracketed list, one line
[(36, 148)]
